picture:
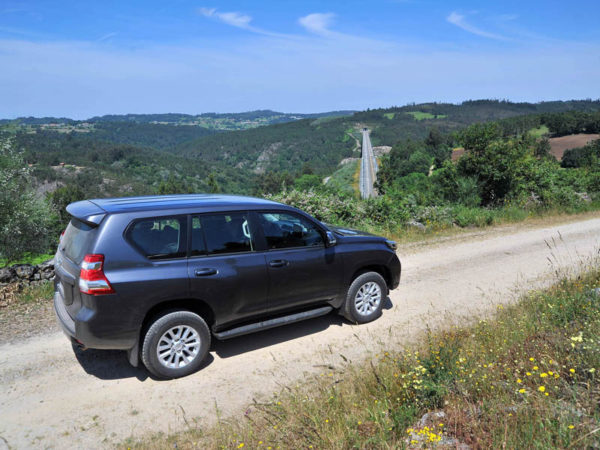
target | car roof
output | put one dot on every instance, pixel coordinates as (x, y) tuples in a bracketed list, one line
[(180, 201)]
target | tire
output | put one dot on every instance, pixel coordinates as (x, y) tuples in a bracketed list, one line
[(184, 338), (365, 297)]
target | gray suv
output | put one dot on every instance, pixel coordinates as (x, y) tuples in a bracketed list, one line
[(160, 276)]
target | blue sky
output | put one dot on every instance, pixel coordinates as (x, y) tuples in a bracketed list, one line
[(79, 59)]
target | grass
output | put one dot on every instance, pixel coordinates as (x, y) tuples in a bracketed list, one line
[(28, 258), (389, 115), (540, 131), (29, 294), (526, 378), (419, 115), (343, 178)]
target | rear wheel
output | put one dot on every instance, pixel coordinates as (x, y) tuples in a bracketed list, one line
[(176, 344), (365, 297)]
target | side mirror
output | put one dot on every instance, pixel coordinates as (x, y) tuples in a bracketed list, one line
[(331, 240)]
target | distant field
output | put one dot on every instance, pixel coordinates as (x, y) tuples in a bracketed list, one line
[(418, 115), (558, 145), (540, 131), (389, 115)]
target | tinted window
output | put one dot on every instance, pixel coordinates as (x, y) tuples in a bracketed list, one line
[(75, 240), (284, 230), (227, 233), (162, 237), (198, 245)]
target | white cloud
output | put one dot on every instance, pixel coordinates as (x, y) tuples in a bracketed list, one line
[(318, 23), (459, 20), (234, 18)]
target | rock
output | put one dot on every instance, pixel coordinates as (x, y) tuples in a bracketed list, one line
[(431, 419), (37, 276), (24, 271), (6, 275), (415, 224), (47, 265), (47, 275)]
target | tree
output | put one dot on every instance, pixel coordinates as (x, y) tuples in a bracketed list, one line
[(542, 148), (25, 219), (213, 186), (173, 186), (307, 182), (272, 182), (62, 196), (500, 166)]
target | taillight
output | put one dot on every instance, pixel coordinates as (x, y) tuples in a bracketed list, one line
[(61, 235), (92, 280)]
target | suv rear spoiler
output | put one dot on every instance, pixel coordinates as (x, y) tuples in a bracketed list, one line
[(87, 212)]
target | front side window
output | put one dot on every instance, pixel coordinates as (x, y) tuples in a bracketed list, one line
[(159, 238), (283, 230), (227, 233)]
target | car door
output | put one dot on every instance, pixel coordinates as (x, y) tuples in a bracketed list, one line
[(224, 269), (301, 269)]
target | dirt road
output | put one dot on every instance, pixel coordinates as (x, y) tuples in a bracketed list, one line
[(51, 397)]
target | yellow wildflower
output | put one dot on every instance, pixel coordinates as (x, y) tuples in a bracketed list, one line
[(542, 388)]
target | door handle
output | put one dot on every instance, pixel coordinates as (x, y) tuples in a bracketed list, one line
[(278, 263), (205, 272)]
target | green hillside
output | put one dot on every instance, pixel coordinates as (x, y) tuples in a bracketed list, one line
[(140, 154)]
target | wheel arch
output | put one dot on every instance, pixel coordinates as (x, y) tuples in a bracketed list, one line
[(193, 305), (378, 268)]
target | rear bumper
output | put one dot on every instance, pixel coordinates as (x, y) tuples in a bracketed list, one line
[(91, 329)]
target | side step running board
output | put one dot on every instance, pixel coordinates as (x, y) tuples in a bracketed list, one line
[(272, 323)]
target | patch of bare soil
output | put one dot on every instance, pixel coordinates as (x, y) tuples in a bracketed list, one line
[(558, 145), (22, 320)]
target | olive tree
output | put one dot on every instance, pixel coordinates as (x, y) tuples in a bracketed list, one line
[(25, 219)]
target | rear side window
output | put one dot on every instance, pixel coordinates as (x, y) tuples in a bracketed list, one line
[(75, 240), (159, 238), (227, 233), (198, 246)]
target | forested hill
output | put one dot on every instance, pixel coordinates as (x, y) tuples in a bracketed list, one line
[(139, 156), (209, 121), (323, 142)]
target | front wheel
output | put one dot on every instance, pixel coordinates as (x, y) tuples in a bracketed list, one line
[(365, 297), (176, 344)]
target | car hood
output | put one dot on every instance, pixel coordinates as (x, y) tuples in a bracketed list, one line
[(344, 231)]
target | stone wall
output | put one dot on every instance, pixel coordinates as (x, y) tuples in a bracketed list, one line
[(27, 274)]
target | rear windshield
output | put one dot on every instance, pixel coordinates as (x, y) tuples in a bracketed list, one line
[(75, 240)]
